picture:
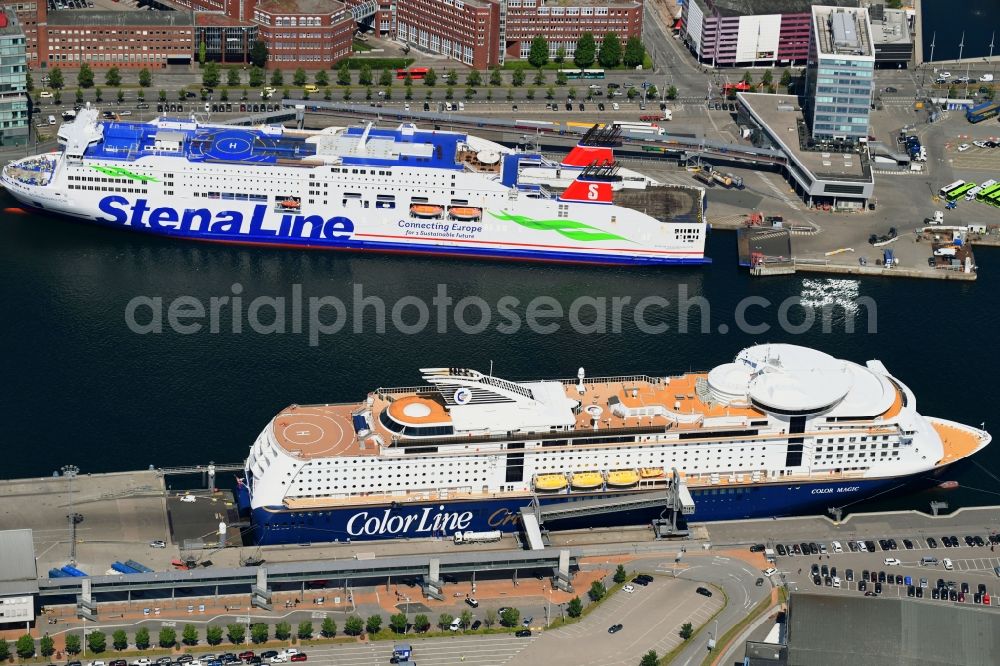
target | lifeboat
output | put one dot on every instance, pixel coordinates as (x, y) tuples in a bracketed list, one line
[(425, 210), (550, 482), (465, 212), (587, 480), (623, 478), (651, 472), (292, 204)]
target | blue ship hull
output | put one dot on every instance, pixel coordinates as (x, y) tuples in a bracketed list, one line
[(279, 525)]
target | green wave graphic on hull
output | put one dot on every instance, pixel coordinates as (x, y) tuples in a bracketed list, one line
[(572, 229)]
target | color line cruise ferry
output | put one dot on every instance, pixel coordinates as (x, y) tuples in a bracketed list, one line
[(781, 430), (360, 188)]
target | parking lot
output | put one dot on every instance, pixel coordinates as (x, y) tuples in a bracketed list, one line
[(974, 158)]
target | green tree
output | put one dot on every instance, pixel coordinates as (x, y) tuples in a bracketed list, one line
[(635, 52), (299, 78), (224, 95), (282, 631), (470, 92), (142, 639), (387, 94), (510, 94), (368, 94), (72, 645), (5, 647), (530, 94), (560, 55), (305, 631), (561, 78), (465, 619), (256, 77), (490, 618), (97, 642), (190, 634), (408, 95), (85, 77), (113, 77), (489, 94), (25, 646), (328, 95), (328, 629), (210, 75), (571, 94), (46, 646), (449, 93), (539, 53), (407, 79), (597, 591), (620, 574), (277, 78), (347, 94), (767, 78), (232, 77), (398, 623), (162, 95), (474, 79), (385, 78), (786, 78), (650, 659), (517, 78), (55, 78), (586, 50), (539, 79), (747, 78), (168, 637), (631, 93), (213, 634), (259, 633), (120, 96), (29, 81), (237, 633), (258, 54), (365, 75), (496, 78), (611, 50), (430, 78), (374, 624), (322, 78), (354, 625), (445, 620), (421, 623), (575, 607), (451, 78), (672, 92), (141, 95), (510, 617), (145, 78), (344, 75), (79, 96), (686, 630), (57, 97), (550, 92), (202, 53), (651, 92)]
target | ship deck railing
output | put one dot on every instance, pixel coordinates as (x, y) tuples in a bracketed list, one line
[(578, 433)]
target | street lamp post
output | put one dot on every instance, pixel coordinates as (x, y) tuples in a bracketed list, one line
[(70, 472)]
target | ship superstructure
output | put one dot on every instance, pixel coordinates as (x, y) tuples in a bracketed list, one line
[(359, 188), (781, 430)]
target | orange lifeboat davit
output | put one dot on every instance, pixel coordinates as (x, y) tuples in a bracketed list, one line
[(426, 210), (291, 204), (465, 212)]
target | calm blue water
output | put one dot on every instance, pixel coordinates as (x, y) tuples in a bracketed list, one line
[(978, 19), (80, 387)]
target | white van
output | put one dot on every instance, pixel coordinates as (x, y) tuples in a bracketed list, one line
[(52, 120), (947, 564), (456, 624), (837, 548), (461, 106)]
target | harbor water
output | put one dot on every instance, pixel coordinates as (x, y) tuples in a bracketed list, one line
[(944, 22), (82, 385)]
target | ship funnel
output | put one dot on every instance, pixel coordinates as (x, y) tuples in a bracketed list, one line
[(579, 381)]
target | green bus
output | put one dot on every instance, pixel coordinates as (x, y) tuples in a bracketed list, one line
[(959, 192), (582, 73), (994, 198), (982, 195)]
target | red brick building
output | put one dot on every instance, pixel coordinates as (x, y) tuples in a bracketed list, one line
[(105, 39), (483, 33), (31, 14), (312, 34)]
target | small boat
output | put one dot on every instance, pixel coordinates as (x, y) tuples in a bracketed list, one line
[(651, 472), (291, 203), (623, 478), (550, 482), (587, 480), (425, 210), (465, 212)]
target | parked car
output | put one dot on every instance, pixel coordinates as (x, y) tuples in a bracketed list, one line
[(629, 588), (615, 628), (472, 602), (704, 591), (523, 633), (964, 147), (891, 562), (301, 656)]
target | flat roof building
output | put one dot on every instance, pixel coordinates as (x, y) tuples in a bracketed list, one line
[(18, 575), (892, 34), (839, 74), (14, 122), (730, 33), (110, 38)]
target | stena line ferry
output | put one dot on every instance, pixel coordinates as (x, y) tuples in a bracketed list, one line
[(781, 430), (362, 188)]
